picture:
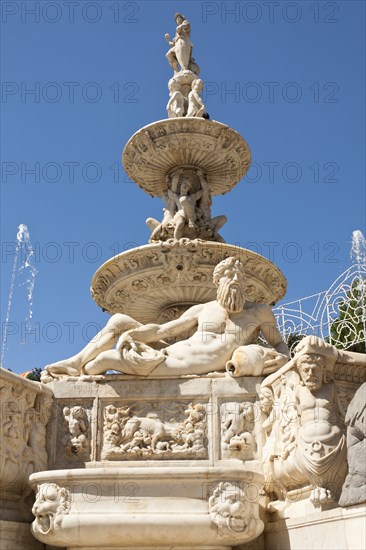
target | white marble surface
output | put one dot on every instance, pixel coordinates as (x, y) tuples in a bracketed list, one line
[(336, 529)]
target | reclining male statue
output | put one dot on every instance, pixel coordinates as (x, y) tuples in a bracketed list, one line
[(222, 326)]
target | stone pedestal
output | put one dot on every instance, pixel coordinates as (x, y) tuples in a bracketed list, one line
[(162, 463), (24, 412)]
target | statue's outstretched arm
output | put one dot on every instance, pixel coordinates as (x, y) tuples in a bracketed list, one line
[(154, 332)]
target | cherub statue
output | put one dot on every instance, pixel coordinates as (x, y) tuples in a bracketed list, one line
[(176, 103), (236, 427), (185, 203), (157, 227), (76, 439), (204, 210), (196, 106)]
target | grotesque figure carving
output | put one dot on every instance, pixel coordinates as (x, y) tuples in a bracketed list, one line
[(306, 444)]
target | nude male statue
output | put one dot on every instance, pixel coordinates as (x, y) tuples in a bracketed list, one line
[(220, 327), (176, 103), (181, 47), (196, 106), (321, 443), (306, 444), (186, 206)]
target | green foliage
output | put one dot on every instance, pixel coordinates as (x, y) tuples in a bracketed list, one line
[(34, 374), (292, 340), (348, 331)]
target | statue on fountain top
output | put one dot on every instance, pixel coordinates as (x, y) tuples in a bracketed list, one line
[(180, 52), (185, 87)]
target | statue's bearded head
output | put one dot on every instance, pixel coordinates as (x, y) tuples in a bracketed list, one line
[(312, 370), (228, 277)]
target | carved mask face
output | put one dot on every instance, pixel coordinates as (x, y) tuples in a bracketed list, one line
[(311, 369)]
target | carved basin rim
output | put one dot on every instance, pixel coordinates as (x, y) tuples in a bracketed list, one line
[(156, 149), (157, 515), (152, 473), (146, 281)]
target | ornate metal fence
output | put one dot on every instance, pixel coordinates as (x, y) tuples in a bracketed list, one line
[(315, 314)]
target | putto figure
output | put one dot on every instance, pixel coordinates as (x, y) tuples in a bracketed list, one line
[(187, 211), (177, 101), (196, 106), (220, 327)]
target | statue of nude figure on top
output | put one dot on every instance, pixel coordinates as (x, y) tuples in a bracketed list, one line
[(180, 52), (221, 326)]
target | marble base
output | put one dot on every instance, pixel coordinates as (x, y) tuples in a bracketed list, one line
[(136, 463), (335, 529), (152, 548)]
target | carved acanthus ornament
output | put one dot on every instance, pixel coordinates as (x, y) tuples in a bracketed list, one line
[(145, 281)]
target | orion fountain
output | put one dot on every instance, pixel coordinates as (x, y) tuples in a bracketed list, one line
[(162, 421)]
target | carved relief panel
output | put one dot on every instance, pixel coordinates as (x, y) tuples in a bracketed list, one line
[(24, 415), (72, 432), (238, 434), (154, 430)]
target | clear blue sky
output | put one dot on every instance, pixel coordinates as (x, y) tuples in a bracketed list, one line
[(99, 73)]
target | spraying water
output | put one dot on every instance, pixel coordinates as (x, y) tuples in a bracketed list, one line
[(358, 250), (24, 254), (28, 267)]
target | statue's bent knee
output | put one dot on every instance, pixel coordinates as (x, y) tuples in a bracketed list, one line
[(119, 322)]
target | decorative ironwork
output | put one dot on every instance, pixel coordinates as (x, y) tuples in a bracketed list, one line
[(316, 314)]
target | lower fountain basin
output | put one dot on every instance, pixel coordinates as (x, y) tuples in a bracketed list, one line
[(146, 507)]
